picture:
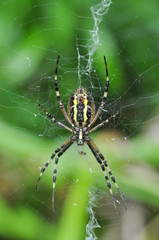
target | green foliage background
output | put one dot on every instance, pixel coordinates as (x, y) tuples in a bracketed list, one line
[(130, 33)]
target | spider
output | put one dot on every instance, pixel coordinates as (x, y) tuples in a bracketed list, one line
[(81, 116)]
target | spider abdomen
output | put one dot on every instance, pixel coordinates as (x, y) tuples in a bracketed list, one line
[(80, 112), (81, 107)]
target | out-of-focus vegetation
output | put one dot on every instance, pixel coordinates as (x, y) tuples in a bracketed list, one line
[(33, 33)]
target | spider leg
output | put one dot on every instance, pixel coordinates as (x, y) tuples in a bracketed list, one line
[(104, 122), (109, 171), (70, 142), (104, 96), (112, 178), (54, 120), (49, 161), (58, 95), (94, 150)]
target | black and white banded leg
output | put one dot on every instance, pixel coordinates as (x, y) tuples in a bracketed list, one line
[(109, 171), (104, 122), (92, 146), (58, 95), (55, 167), (49, 161), (112, 178), (104, 96), (54, 120)]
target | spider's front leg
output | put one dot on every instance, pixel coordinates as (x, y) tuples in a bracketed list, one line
[(101, 160), (50, 159), (112, 177), (65, 147)]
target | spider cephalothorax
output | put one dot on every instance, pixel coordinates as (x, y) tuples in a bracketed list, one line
[(81, 116)]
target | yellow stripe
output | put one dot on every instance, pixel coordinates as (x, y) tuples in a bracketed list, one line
[(85, 114), (75, 110), (85, 110)]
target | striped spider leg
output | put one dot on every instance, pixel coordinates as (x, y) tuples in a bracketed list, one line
[(103, 163), (66, 146), (104, 122), (58, 95), (60, 150), (104, 96), (54, 120)]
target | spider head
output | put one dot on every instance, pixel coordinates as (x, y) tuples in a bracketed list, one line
[(80, 142), (80, 137), (80, 134)]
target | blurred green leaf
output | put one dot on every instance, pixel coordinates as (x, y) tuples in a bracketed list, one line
[(23, 223)]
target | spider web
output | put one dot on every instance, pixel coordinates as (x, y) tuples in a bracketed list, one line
[(89, 37)]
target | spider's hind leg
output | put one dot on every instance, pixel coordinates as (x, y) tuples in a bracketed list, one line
[(58, 95)]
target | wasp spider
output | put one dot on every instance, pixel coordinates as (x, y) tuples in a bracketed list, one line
[(81, 116)]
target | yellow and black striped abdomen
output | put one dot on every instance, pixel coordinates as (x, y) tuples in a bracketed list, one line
[(81, 107)]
